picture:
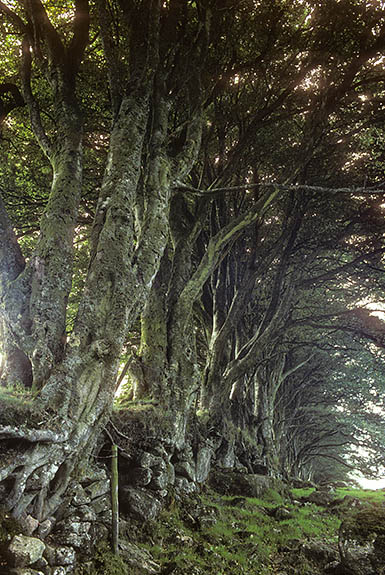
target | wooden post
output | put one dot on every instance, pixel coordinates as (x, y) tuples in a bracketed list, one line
[(114, 499)]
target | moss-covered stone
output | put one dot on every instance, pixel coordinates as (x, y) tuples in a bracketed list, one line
[(9, 527)]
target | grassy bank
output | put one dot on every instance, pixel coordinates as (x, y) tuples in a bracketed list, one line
[(226, 535)]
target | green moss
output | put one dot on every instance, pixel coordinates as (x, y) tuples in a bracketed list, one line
[(17, 406), (9, 527), (210, 533), (363, 523), (304, 492), (377, 496), (105, 563)]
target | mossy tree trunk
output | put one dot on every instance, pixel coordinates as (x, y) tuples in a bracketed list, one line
[(75, 376)]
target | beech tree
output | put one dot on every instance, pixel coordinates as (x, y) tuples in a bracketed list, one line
[(189, 209)]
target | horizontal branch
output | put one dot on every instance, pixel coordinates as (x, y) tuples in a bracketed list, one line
[(282, 187), (32, 435)]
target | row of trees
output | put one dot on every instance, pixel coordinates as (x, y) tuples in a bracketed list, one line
[(212, 215)]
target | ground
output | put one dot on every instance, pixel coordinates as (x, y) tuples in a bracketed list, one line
[(209, 533)]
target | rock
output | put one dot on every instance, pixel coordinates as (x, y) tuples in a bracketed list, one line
[(300, 484), (97, 489), (347, 504), (50, 554), (42, 565), (362, 541), (24, 551), (171, 473), (207, 520), (319, 552), (185, 469), (322, 498), (160, 481), (45, 528), (80, 497), (225, 456), (139, 503), (184, 487), (160, 451), (357, 557), (75, 534), (335, 568), (149, 460), (326, 488), (139, 476), (137, 558), (101, 504), (260, 469), (65, 556), (30, 524), (84, 513), (245, 484), (203, 464), (281, 514), (92, 475), (60, 571)]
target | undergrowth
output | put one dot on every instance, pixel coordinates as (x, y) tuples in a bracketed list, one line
[(235, 534), (224, 535)]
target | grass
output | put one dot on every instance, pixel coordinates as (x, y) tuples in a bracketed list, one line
[(244, 538), (17, 405), (224, 535), (377, 496), (305, 492)]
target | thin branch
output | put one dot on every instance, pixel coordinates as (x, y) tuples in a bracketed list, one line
[(13, 17), (32, 103), (282, 187)]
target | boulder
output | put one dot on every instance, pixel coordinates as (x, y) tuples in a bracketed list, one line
[(101, 504), (281, 513), (362, 541), (139, 503), (203, 464), (319, 552), (225, 456), (97, 488), (245, 484), (184, 487), (30, 524), (76, 534), (24, 551), (322, 498), (139, 476), (60, 571), (147, 459), (42, 565), (138, 559), (335, 568), (160, 481), (79, 496), (260, 469), (185, 469), (45, 527), (65, 555)]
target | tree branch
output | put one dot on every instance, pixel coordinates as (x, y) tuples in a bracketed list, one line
[(32, 103), (12, 261), (80, 37)]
